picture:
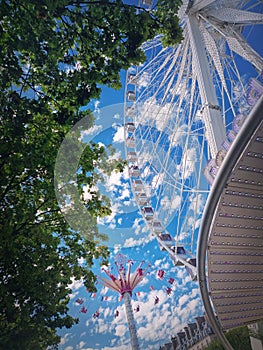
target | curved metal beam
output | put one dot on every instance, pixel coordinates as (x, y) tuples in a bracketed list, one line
[(243, 137)]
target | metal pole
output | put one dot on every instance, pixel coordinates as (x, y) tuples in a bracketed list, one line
[(131, 322)]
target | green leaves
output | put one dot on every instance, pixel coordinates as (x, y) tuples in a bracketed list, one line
[(55, 56)]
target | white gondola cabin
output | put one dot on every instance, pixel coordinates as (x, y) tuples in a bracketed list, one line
[(157, 227), (131, 96), (132, 156), (137, 185), (130, 112), (130, 127), (226, 145), (220, 156), (134, 170), (238, 122), (210, 171), (130, 142), (192, 261), (148, 213), (231, 135), (166, 238), (132, 79), (179, 251), (142, 198)]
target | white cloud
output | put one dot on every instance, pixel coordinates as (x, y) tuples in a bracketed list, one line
[(166, 318), (104, 290), (120, 330), (117, 248), (115, 155), (197, 203), (120, 347), (107, 312), (119, 135), (157, 180), (131, 242), (91, 131), (81, 345), (81, 261), (110, 219), (75, 284), (96, 106), (137, 225), (87, 192), (65, 338), (144, 79), (167, 203), (103, 327), (115, 179), (188, 162), (183, 299), (177, 137), (162, 264), (125, 191)]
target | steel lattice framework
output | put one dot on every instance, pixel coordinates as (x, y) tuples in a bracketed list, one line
[(183, 109)]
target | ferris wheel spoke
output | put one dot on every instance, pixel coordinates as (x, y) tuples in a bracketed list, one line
[(236, 16), (213, 52), (237, 44)]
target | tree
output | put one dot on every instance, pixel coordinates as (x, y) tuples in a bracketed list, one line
[(55, 55), (237, 337)]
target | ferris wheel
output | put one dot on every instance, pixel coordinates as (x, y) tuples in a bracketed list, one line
[(183, 108)]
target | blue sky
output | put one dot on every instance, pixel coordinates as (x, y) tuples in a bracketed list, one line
[(129, 235), (155, 323)]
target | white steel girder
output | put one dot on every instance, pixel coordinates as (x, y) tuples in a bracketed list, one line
[(211, 112)]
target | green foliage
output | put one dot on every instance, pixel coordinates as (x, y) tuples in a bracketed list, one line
[(55, 55), (63, 50), (237, 337), (168, 22)]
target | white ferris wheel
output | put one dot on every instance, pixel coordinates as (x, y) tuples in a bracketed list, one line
[(183, 108)]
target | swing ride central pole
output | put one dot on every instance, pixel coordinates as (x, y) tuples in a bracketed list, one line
[(131, 322)]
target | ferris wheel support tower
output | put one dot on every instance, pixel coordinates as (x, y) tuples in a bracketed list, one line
[(211, 112)]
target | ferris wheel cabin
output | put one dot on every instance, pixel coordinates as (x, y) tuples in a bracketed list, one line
[(142, 198), (148, 213), (130, 127), (157, 227), (132, 79), (137, 186), (132, 156), (130, 141), (134, 171), (131, 96), (167, 240)]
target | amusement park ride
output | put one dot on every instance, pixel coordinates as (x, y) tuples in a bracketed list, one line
[(124, 284), (183, 109)]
